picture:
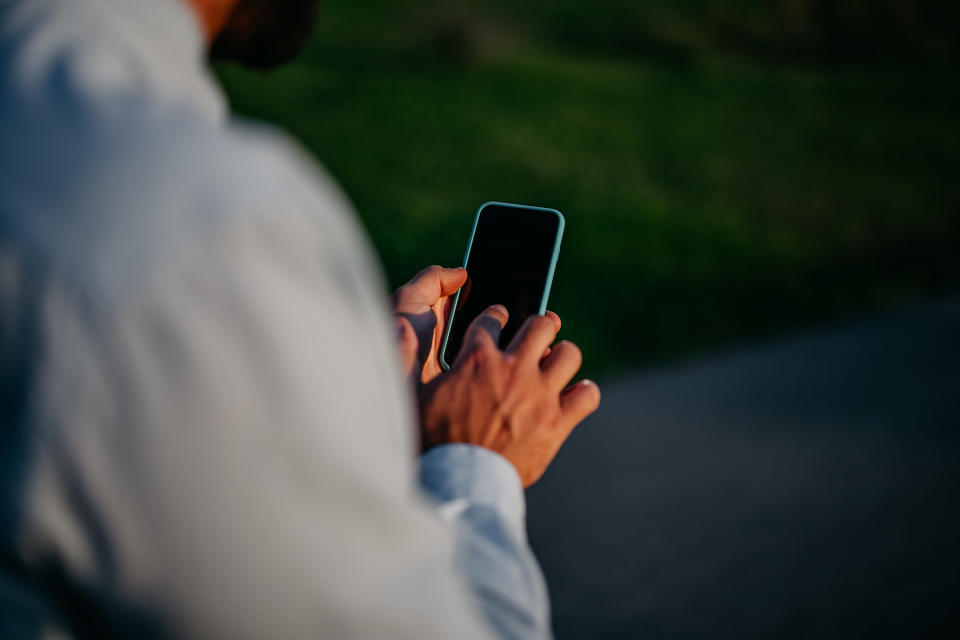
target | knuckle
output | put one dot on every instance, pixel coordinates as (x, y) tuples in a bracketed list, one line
[(481, 352), (477, 352), (433, 271)]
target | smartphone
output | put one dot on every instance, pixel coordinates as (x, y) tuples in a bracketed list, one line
[(511, 256)]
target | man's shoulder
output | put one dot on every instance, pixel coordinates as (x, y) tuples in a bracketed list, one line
[(190, 173), (112, 205), (115, 153)]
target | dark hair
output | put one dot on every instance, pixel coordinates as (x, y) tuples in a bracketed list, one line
[(265, 33)]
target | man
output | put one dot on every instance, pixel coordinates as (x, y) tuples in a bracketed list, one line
[(206, 432)]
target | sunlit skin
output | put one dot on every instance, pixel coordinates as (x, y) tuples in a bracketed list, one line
[(517, 401), (423, 307), (514, 401)]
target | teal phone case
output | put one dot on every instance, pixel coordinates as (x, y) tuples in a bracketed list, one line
[(466, 258)]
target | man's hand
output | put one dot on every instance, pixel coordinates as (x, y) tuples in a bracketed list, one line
[(423, 308), (516, 401)]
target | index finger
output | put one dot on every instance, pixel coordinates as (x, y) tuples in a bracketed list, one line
[(485, 328)]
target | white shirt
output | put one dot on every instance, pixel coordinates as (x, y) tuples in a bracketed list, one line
[(204, 430)]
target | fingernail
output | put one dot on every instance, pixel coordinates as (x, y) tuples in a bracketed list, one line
[(499, 307)]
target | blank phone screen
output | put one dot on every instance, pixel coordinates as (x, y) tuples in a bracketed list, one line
[(509, 263)]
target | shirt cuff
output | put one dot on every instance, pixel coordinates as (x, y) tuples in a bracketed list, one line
[(459, 476)]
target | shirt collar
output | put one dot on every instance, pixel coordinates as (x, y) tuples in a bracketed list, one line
[(158, 44), (168, 36)]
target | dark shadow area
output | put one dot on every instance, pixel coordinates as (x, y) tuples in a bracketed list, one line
[(802, 489)]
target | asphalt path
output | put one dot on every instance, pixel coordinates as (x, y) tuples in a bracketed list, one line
[(808, 488)]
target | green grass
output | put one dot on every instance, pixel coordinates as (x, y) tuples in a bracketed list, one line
[(709, 198)]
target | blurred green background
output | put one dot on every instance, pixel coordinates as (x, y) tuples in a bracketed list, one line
[(728, 170)]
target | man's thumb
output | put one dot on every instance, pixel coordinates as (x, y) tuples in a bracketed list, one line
[(451, 280)]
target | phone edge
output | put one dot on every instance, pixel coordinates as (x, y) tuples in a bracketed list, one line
[(466, 256)]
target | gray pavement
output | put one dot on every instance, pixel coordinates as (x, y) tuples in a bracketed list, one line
[(807, 488)]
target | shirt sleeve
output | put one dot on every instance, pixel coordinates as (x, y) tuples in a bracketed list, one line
[(224, 447), (479, 494)]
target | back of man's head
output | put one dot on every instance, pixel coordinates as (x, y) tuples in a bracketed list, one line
[(256, 33)]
